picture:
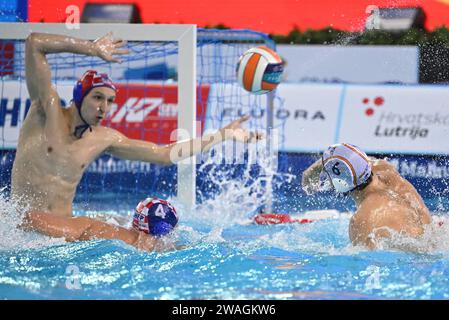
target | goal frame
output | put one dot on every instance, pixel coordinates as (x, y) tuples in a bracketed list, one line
[(186, 37)]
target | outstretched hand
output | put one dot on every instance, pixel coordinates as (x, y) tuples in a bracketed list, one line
[(107, 47), (240, 134)]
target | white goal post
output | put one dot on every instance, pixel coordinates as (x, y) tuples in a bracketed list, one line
[(184, 35)]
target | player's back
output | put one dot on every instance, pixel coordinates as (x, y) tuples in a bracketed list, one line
[(388, 203), (399, 189)]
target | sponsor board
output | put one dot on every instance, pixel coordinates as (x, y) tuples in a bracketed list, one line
[(428, 175), (379, 119), (150, 112), (229, 101), (307, 115), (396, 119), (304, 116), (350, 64), (141, 111), (412, 168)]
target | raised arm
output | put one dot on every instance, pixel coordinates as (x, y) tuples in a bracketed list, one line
[(311, 177), (38, 45), (85, 228), (131, 149)]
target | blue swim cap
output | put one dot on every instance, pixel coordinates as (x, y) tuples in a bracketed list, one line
[(90, 79), (155, 216)]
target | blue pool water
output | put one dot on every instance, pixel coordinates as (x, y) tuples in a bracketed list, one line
[(224, 258)]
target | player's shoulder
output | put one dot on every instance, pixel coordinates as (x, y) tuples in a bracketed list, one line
[(51, 98), (109, 134), (382, 165)]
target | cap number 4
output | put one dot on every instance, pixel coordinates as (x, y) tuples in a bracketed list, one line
[(160, 211)]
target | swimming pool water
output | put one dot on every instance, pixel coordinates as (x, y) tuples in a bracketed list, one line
[(224, 258)]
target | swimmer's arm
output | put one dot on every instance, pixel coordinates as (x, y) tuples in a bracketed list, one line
[(131, 149), (38, 45), (311, 177), (37, 70), (104, 47), (84, 228)]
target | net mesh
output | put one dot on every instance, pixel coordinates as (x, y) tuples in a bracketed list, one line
[(146, 108)]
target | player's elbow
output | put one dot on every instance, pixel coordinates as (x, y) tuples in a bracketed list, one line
[(32, 42), (32, 39), (81, 232), (167, 162), (159, 155), (35, 41)]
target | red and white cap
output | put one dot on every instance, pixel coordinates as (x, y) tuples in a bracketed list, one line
[(90, 79)]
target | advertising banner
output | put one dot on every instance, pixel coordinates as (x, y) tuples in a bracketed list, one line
[(396, 119), (350, 64), (141, 111), (307, 116)]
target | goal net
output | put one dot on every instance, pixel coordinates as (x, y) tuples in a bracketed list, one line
[(175, 77)]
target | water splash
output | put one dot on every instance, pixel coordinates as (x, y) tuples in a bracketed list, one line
[(239, 190), (14, 238), (435, 239)]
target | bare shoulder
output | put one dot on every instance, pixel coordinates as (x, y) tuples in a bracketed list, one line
[(109, 135), (386, 171), (46, 112), (382, 165), (366, 212), (371, 204), (52, 100)]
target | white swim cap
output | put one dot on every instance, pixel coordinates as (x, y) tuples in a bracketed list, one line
[(346, 166)]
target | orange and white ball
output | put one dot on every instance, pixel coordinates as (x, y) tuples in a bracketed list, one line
[(259, 70)]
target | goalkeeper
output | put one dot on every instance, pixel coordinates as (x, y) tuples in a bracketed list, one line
[(57, 144)]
